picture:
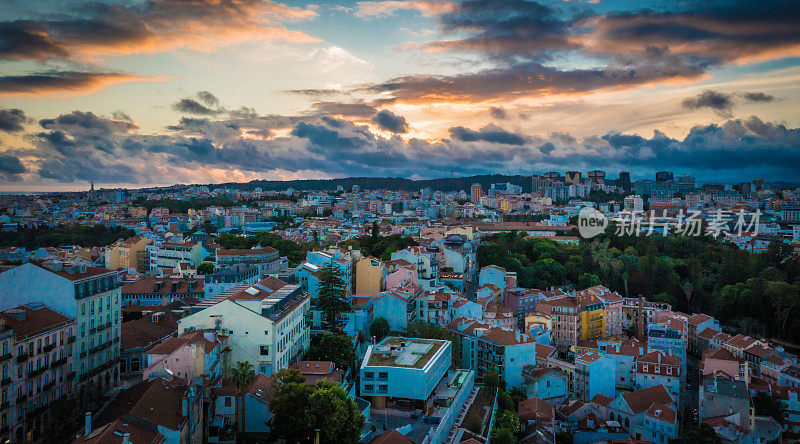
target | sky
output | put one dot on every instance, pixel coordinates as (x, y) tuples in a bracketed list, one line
[(143, 93)]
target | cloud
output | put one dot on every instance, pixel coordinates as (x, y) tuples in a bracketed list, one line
[(720, 102), (372, 9), (391, 122), (192, 106), (95, 29), (349, 109), (528, 80), (10, 168), (498, 112), (82, 146), (12, 120), (489, 133), (758, 97), (63, 83)]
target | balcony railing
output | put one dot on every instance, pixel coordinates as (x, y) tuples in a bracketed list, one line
[(59, 362), (48, 348), (38, 371), (22, 358)]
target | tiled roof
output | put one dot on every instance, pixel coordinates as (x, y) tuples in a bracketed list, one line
[(34, 321), (172, 344), (143, 331), (535, 408), (262, 388), (247, 251), (391, 437), (601, 400), (112, 434), (661, 412), (641, 400), (164, 285), (157, 401)]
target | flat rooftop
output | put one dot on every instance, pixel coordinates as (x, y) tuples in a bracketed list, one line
[(404, 352)]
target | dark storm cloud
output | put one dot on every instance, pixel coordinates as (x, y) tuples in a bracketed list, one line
[(62, 82), (12, 120), (529, 79), (720, 102), (391, 122), (192, 106), (497, 112), (489, 133), (758, 97), (28, 40), (351, 109), (98, 28), (10, 168), (81, 146), (505, 28)]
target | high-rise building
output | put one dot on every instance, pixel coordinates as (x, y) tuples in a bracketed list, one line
[(624, 180), (634, 203), (685, 182), (572, 177), (553, 175), (597, 176), (475, 192), (663, 176)]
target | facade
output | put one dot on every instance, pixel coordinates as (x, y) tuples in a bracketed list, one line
[(265, 327), (545, 382), (426, 262), (594, 375), (485, 348), (197, 354), (403, 368), (229, 277), (91, 295), (127, 254), (152, 290), (370, 276), (169, 254), (398, 305), (267, 259), (658, 368), (42, 341)]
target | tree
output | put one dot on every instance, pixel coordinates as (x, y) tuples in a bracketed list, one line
[(334, 414), (288, 409), (492, 379), (205, 268), (243, 377), (766, 405), (587, 280), (331, 296), (376, 231), (379, 328), (333, 346)]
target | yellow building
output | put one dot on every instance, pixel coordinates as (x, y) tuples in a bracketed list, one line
[(370, 276), (534, 318), (127, 254), (138, 211), (592, 322)]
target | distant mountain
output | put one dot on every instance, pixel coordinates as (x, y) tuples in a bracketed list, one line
[(383, 183)]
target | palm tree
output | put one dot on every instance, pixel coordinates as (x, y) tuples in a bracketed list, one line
[(243, 377)]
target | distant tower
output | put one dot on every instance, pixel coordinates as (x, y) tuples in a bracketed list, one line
[(92, 192)]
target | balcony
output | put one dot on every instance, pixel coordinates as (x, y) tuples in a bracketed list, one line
[(71, 339), (49, 348), (5, 357), (59, 362), (22, 358), (38, 371), (21, 399), (49, 385)]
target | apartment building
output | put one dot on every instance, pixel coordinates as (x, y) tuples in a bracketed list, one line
[(127, 254), (168, 254), (426, 262), (266, 327), (267, 259), (91, 295), (229, 277), (404, 370), (594, 375), (371, 276), (656, 368), (41, 341), (153, 290)]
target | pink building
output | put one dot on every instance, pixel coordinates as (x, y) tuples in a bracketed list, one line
[(400, 270), (189, 356), (723, 361)]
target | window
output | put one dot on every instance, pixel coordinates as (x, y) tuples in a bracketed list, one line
[(383, 375), (369, 375), (383, 388), (368, 388), (227, 401), (264, 350)]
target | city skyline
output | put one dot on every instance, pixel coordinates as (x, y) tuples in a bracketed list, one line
[(163, 92)]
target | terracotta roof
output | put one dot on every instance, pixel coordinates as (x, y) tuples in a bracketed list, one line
[(35, 321), (157, 401), (601, 400), (708, 333), (571, 407), (588, 358), (112, 434), (658, 357), (391, 437), (172, 344), (721, 354), (262, 388), (73, 273), (535, 408), (164, 285), (143, 331), (741, 341), (661, 412), (760, 351), (641, 400), (698, 319)]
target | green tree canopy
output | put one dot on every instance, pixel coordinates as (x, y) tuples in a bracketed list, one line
[(379, 328)]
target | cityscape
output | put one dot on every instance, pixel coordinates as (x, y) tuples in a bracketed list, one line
[(414, 221)]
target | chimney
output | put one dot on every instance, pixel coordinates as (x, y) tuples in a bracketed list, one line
[(87, 428), (126, 438), (640, 319)]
